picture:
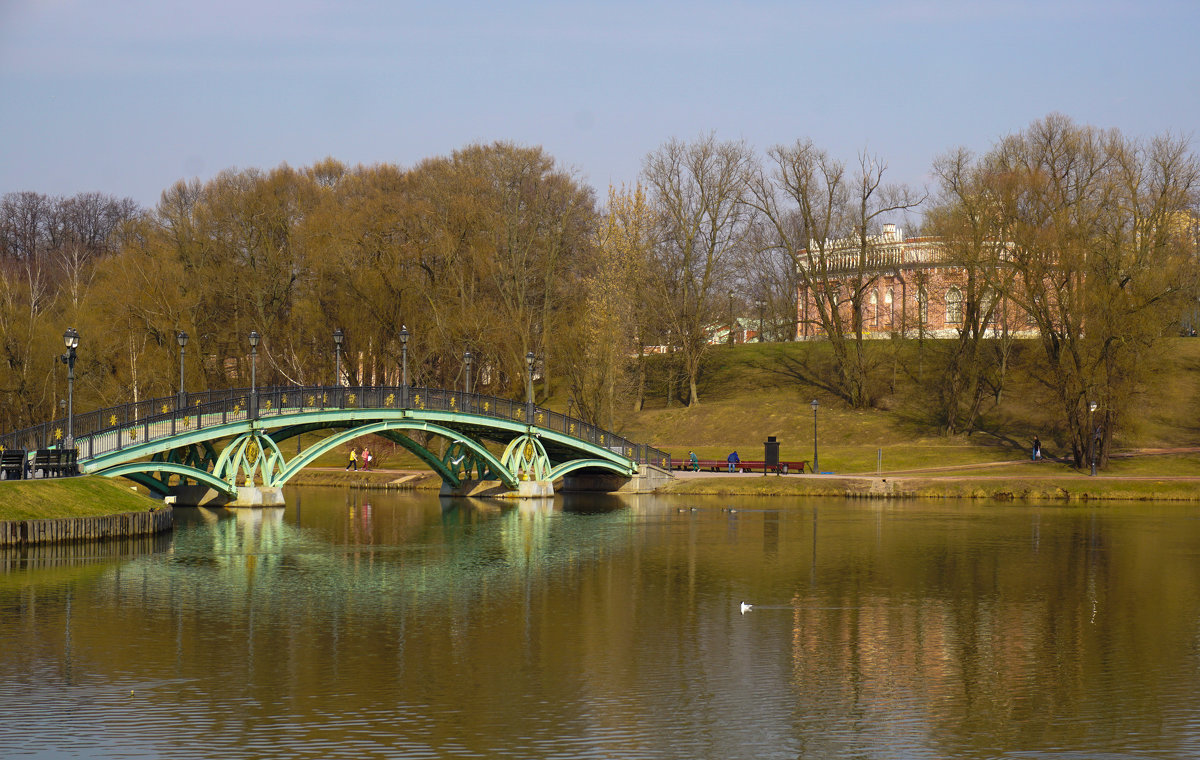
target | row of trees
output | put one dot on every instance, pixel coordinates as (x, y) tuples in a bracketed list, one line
[(1090, 233), (498, 250)]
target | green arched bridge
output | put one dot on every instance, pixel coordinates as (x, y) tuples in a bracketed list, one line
[(227, 444)]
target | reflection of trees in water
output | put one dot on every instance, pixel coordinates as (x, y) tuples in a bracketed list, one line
[(1009, 626)]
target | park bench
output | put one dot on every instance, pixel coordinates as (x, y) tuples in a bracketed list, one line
[(722, 465), (55, 463), (12, 464)]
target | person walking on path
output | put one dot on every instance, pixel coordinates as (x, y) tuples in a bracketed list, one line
[(353, 460), (366, 457), (695, 461), (733, 459), (1037, 448)]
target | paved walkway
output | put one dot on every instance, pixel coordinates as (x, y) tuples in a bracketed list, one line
[(949, 469)]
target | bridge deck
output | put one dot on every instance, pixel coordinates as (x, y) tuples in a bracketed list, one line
[(102, 432)]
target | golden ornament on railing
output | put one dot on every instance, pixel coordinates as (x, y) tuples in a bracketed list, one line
[(57, 433), (390, 400)]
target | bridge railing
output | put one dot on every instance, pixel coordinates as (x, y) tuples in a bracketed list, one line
[(112, 429)]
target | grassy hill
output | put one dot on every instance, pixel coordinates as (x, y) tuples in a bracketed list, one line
[(751, 391), (748, 392)]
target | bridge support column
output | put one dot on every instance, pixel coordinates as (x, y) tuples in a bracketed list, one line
[(496, 489), (257, 496), (647, 480), (198, 496), (247, 496)]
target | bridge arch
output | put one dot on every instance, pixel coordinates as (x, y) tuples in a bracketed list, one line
[(394, 426), (140, 471), (180, 435)]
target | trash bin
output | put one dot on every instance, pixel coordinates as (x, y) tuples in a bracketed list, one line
[(770, 454)]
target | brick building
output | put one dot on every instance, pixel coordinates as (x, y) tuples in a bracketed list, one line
[(915, 289)]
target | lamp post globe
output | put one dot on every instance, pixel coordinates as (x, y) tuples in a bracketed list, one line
[(816, 468), (1092, 437), (181, 338), (254, 373), (71, 341), (338, 337), (731, 317), (404, 365), (529, 359)]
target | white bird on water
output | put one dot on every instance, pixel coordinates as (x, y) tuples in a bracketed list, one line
[(746, 607)]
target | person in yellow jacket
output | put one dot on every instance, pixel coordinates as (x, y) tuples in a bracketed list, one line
[(353, 460)]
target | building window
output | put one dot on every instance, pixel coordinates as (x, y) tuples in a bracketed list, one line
[(922, 307), (887, 305), (874, 319), (954, 314)]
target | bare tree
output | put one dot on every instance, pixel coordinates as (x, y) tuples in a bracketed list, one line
[(972, 237), (1103, 259), (829, 222), (698, 190)]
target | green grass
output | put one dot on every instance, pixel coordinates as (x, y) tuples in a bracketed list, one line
[(85, 496), (1072, 488), (749, 392)]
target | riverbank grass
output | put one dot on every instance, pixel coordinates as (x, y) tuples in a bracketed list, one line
[(1063, 489), (84, 496)]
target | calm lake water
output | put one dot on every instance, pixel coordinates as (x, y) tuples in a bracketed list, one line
[(365, 624)]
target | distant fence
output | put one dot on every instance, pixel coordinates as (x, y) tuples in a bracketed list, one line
[(22, 532)]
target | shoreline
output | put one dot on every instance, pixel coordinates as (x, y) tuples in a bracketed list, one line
[(1036, 488), (914, 485)]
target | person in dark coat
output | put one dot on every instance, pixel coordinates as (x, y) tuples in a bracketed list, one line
[(733, 459)]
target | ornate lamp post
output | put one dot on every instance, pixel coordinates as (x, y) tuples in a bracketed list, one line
[(338, 337), (467, 382), (182, 338), (404, 365), (731, 317), (529, 358), (816, 468), (254, 373), (71, 341), (1092, 433)]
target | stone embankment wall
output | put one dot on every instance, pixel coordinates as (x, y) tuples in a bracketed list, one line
[(20, 532)]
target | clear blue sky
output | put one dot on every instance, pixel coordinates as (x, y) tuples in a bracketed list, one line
[(128, 97)]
